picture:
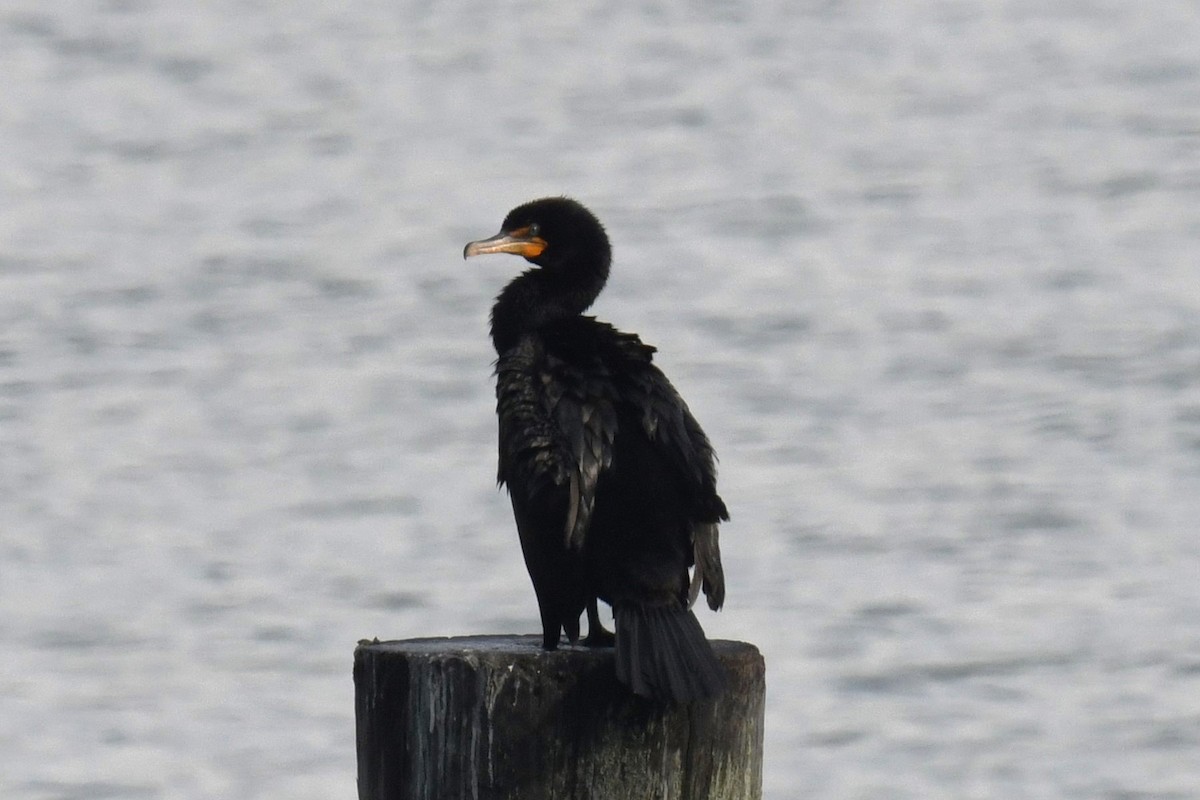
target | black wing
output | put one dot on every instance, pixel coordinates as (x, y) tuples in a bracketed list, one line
[(670, 426), (557, 425), (558, 421)]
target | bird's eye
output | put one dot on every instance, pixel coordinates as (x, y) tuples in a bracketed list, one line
[(534, 229)]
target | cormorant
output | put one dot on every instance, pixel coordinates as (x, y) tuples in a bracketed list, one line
[(612, 480)]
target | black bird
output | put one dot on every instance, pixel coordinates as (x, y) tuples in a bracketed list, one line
[(612, 480)]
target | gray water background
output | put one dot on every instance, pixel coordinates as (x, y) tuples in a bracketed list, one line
[(927, 272)]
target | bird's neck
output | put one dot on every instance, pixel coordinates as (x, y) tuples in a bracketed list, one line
[(541, 297)]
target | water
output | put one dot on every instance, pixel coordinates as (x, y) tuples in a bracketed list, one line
[(927, 272)]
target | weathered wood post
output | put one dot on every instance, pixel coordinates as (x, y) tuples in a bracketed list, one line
[(492, 717)]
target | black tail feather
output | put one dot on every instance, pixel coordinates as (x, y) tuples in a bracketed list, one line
[(661, 653)]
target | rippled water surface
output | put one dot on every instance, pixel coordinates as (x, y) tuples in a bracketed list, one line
[(928, 272)]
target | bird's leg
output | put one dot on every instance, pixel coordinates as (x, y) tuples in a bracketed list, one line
[(597, 636), (571, 629), (550, 627)]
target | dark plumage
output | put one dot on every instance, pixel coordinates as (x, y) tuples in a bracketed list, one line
[(612, 480)]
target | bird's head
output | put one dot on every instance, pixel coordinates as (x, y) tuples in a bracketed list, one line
[(554, 233)]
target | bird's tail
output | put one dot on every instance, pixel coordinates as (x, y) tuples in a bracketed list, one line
[(661, 653)]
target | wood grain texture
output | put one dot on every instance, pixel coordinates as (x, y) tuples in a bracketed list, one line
[(492, 717)]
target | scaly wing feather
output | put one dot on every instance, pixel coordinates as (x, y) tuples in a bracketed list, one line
[(669, 424), (557, 426)]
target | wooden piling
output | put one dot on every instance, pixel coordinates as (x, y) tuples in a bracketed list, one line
[(497, 718)]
